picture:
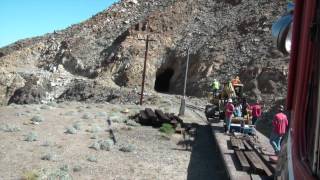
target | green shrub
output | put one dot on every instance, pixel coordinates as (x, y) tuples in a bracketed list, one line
[(76, 125), (167, 129), (8, 128), (71, 130), (95, 129), (87, 116), (70, 113), (127, 148), (37, 118), (32, 136), (47, 157), (30, 175), (132, 123), (77, 168), (92, 159)]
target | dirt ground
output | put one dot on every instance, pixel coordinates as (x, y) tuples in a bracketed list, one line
[(153, 155)]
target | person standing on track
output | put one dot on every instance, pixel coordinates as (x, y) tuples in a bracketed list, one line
[(280, 124), (229, 108), (256, 112)]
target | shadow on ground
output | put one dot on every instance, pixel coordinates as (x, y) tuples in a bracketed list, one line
[(205, 161)]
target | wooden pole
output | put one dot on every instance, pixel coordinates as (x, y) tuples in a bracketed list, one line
[(183, 100), (144, 69)]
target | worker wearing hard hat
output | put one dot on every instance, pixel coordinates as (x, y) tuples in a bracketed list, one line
[(215, 86), (280, 124), (229, 108), (236, 81)]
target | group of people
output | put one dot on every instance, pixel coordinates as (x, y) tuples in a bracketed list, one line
[(243, 108)]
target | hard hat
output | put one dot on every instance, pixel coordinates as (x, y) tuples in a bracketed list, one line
[(281, 108)]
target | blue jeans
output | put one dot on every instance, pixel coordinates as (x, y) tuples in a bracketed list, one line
[(228, 123), (275, 141), (254, 120)]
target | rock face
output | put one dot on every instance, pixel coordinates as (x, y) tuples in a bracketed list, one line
[(224, 38)]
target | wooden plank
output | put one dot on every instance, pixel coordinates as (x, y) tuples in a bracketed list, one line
[(234, 143), (267, 164), (243, 160), (254, 161), (151, 114), (143, 115), (240, 144), (257, 162), (143, 118), (161, 115), (237, 143), (247, 145), (255, 177)]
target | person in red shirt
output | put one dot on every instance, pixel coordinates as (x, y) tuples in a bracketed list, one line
[(256, 112), (280, 124), (229, 108)]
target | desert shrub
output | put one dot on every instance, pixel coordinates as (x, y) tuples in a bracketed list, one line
[(92, 159), (8, 128), (101, 114), (52, 104), (167, 129), (132, 123), (95, 146), (32, 136), (118, 118), (106, 144), (127, 148), (87, 116), (77, 168), (70, 113), (45, 107), (94, 136), (30, 175), (71, 130), (59, 174), (18, 114), (64, 167), (100, 106), (37, 118), (48, 157), (102, 145), (95, 128), (76, 125)]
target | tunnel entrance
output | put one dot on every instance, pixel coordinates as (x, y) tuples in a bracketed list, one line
[(162, 83)]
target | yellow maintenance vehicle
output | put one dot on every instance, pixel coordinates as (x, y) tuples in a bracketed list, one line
[(215, 110)]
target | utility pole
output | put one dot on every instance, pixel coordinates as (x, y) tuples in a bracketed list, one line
[(145, 63), (144, 69), (183, 100)]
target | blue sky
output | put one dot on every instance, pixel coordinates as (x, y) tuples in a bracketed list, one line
[(27, 18)]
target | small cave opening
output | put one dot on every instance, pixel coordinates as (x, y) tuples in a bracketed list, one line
[(162, 83)]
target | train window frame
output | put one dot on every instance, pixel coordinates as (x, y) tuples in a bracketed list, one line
[(312, 140)]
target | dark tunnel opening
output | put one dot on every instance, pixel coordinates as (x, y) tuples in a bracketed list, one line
[(162, 83)]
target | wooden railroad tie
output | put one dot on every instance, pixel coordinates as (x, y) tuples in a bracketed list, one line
[(245, 166)]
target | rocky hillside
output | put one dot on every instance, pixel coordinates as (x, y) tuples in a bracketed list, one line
[(102, 58)]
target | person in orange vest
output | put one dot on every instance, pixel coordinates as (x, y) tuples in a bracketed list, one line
[(280, 124), (236, 81)]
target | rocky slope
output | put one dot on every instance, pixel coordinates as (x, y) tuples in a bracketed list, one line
[(102, 56)]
